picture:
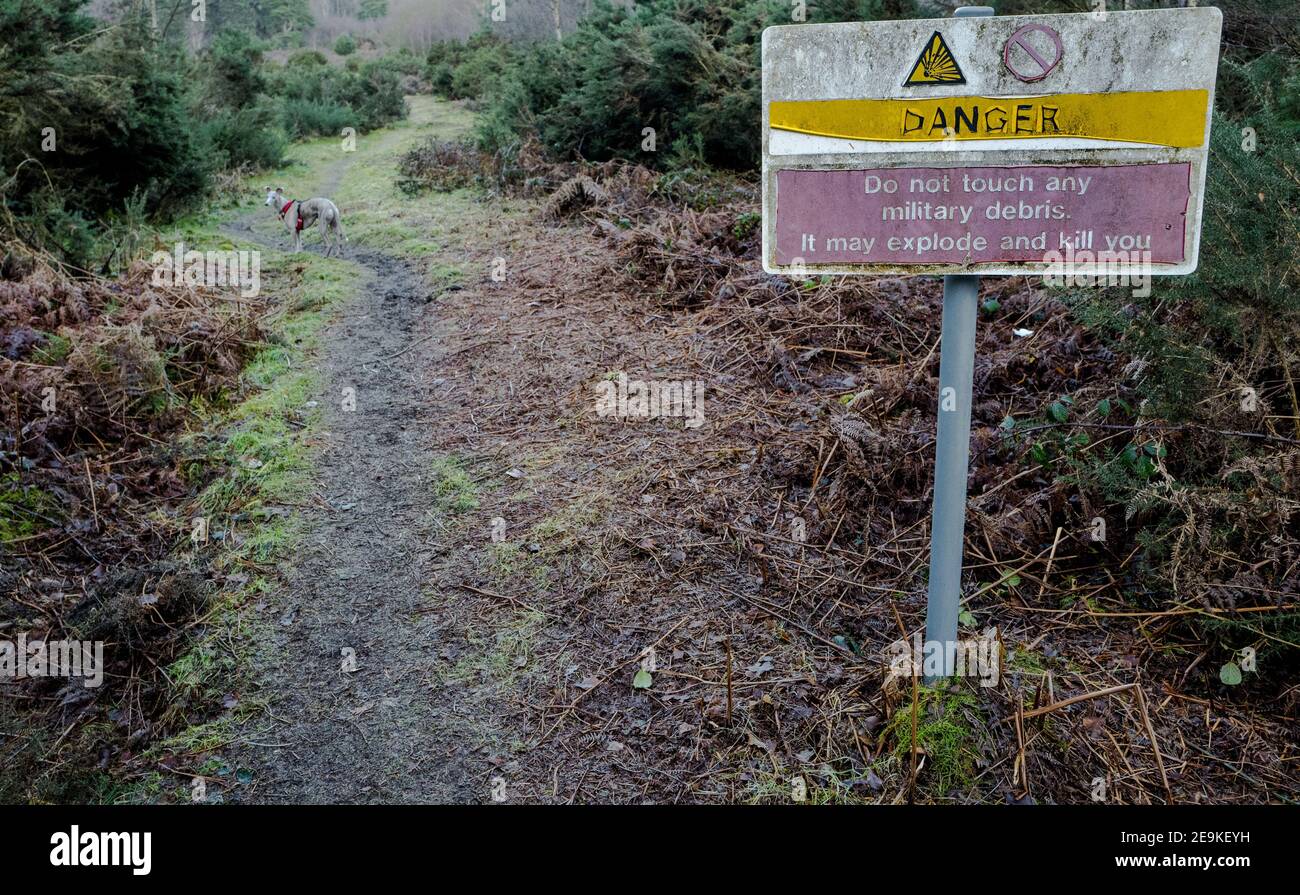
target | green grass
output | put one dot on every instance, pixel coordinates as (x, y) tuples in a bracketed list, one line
[(376, 214), (379, 215), (260, 460), (264, 458), (1025, 662), (560, 530), (503, 658), (454, 491), (253, 452), (820, 788)]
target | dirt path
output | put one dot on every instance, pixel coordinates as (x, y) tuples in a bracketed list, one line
[(357, 716)]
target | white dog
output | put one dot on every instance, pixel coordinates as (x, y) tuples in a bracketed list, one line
[(298, 215)]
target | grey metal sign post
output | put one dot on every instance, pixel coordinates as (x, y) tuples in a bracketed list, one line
[(951, 457)]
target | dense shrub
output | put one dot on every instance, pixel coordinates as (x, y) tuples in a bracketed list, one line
[(250, 137), (345, 45), (88, 124), (241, 125), (689, 69), (322, 100), (1217, 354), (313, 117), (306, 59), (234, 63), (468, 70), (441, 64), (404, 62)]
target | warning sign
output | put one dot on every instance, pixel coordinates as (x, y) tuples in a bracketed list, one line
[(936, 65), (1013, 145)]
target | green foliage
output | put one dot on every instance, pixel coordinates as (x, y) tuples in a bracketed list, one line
[(1240, 311), (312, 117), (105, 129), (24, 510), (234, 61), (321, 100), (689, 69), (1215, 353), (89, 123), (372, 9), (471, 69), (52, 350), (403, 62), (243, 128), (1241, 306), (278, 19), (249, 136), (746, 224), (306, 59), (346, 45)]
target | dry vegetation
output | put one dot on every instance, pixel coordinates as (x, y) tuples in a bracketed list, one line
[(772, 556), (98, 379)]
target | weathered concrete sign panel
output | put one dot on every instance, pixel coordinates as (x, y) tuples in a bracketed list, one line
[(996, 145)]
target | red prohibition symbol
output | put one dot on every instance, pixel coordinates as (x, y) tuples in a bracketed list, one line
[(1041, 59)]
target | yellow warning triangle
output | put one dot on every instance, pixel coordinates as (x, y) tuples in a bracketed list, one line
[(936, 65)]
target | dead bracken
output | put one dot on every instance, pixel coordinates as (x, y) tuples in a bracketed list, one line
[(97, 379)]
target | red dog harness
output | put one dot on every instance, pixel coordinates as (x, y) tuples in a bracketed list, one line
[(285, 210)]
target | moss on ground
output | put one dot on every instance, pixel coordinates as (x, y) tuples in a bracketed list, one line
[(24, 509), (945, 734)]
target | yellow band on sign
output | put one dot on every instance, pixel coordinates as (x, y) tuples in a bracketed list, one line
[(1162, 118)]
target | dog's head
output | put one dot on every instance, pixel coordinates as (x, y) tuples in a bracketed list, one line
[(272, 195)]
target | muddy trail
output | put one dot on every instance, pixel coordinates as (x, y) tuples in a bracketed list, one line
[(355, 717)]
